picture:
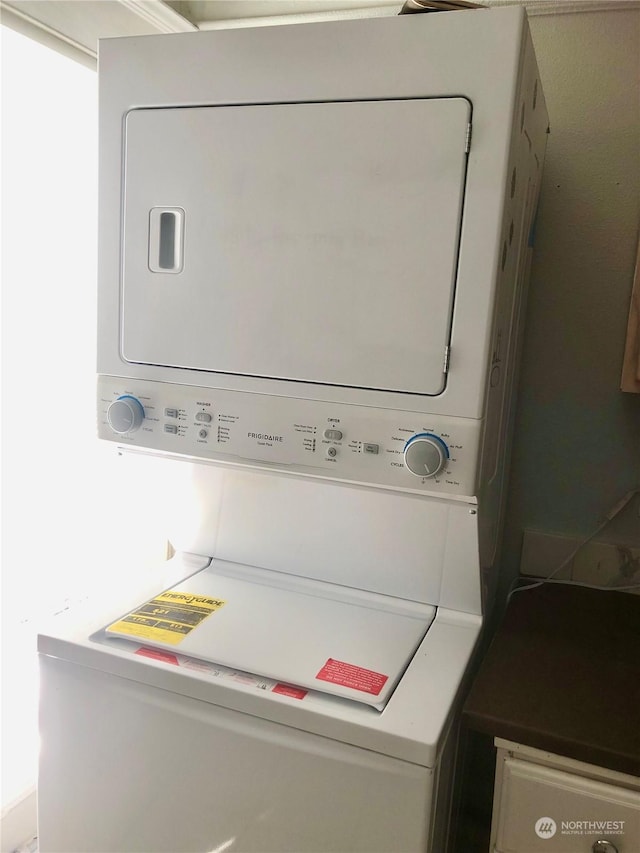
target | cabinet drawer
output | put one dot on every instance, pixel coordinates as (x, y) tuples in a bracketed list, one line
[(544, 809)]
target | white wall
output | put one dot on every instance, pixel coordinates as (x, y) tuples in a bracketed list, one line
[(577, 440)]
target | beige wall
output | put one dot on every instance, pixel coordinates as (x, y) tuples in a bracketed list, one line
[(577, 441)]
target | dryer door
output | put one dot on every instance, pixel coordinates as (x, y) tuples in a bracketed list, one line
[(315, 242)]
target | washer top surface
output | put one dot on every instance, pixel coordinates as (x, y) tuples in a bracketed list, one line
[(410, 728), (309, 634)]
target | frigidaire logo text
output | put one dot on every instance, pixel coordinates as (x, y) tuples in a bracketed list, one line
[(264, 436)]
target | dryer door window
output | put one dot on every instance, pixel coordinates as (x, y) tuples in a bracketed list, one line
[(315, 242)]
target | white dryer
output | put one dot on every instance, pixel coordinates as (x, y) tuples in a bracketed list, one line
[(314, 244)]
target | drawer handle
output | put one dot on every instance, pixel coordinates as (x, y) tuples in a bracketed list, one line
[(604, 846)]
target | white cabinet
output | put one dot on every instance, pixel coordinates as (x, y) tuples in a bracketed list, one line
[(544, 802)]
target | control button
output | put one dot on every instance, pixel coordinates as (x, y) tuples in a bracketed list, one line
[(125, 414), (203, 433), (171, 413), (370, 448), (333, 434), (425, 454), (172, 428), (332, 452), (203, 417)]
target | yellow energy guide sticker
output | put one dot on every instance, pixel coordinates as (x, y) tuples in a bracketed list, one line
[(168, 618)]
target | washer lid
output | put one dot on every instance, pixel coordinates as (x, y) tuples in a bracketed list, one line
[(311, 634)]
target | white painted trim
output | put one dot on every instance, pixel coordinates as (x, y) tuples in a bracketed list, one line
[(18, 823), (564, 7), (156, 14), (159, 15), (38, 31), (345, 14)]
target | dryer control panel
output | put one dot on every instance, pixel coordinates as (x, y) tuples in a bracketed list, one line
[(407, 450)]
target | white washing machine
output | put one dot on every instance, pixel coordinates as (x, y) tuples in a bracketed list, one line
[(314, 244)]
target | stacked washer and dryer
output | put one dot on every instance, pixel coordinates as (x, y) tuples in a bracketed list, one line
[(314, 246)]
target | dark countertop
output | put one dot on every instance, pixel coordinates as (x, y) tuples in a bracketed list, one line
[(562, 674)]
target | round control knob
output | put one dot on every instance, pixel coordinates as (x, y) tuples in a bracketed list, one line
[(125, 414), (425, 454)]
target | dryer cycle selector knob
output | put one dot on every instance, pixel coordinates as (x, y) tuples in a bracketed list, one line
[(425, 454), (125, 414)]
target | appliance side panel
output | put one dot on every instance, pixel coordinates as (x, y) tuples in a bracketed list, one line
[(443, 828), (110, 194), (530, 125), (129, 768), (460, 588)]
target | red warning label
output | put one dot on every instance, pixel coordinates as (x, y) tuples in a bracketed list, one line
[(288, 690), (354, 677), (156, 655)]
